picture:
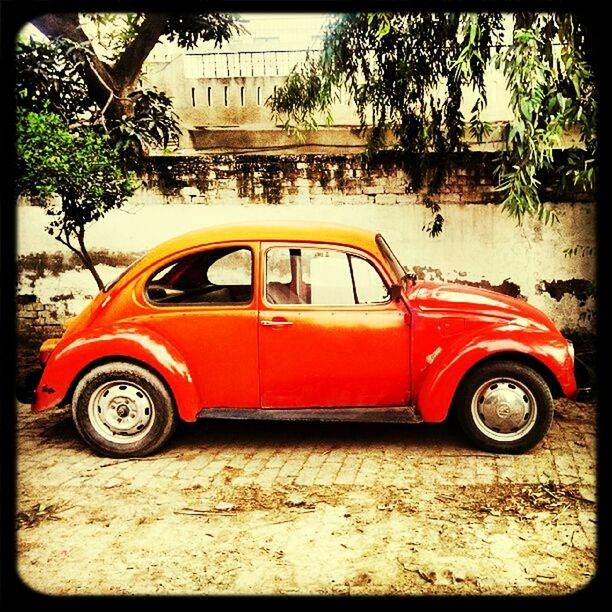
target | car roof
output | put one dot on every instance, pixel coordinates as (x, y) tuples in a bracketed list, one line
[(272, 231)]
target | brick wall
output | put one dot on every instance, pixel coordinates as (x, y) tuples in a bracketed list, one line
[(35, 323), (333, 179)]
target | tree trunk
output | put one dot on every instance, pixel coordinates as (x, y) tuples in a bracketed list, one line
[(86, 258), (81, 252)]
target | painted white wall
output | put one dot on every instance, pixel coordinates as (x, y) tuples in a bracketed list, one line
[(478, 243)]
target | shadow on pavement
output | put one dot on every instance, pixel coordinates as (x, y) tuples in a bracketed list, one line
[(285, 434), (58, 428)]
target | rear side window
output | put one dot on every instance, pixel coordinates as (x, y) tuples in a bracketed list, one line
[(216, 276)]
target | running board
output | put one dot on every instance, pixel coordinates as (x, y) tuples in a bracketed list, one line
[(393, 414)]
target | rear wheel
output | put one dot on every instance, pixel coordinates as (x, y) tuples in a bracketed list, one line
[(123, 410), (504, 407)]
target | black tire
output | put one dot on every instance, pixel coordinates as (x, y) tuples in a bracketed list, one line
[(123, 410), (504, 407)]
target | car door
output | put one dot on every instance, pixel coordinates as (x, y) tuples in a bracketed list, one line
[(329, 335), (203, 303)]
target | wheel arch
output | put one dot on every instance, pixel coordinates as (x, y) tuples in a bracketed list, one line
[(113, 359), (523, 358)]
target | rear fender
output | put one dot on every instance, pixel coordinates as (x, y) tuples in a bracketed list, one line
[(131, 341), (444, 375)]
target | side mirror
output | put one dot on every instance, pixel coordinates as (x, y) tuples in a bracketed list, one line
[(396, 292)]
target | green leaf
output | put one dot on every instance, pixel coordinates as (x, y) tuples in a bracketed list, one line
[(526, 109), (473, 31)]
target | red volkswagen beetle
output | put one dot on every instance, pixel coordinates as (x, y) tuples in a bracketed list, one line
[(300, 321)]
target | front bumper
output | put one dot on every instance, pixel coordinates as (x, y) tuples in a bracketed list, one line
[(585, 380)]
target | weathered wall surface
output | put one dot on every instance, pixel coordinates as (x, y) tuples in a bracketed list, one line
[(35, 321), (480, 245)]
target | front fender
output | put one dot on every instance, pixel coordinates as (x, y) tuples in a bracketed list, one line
[(127, 340), (446, 372)]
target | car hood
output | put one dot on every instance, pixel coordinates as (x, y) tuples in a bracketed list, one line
[(454, 298)]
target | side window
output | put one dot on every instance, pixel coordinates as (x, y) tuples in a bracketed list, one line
[(369, 286), (321, 277), (284, 283), (329, 276), (231, 269), (217, 276), (278, 266)]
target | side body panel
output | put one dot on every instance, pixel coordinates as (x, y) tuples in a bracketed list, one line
[(207, 354), (220, 347)]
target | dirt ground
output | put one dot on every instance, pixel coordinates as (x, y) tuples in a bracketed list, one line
[(307, 508)]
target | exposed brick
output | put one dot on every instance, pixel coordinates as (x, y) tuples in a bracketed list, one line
[(353, 188), (373, 190), (397, 189), (353, 199), (451, 198), (386, 198), (480, 197)]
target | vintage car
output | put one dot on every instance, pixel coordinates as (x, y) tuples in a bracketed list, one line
[(300, 321)]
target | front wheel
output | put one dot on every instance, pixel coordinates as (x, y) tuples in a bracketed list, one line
[(504, 407), (123, 410)]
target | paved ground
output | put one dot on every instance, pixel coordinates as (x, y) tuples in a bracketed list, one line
[(236, 507)]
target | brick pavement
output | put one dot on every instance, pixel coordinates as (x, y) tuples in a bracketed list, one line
[(305, 458)]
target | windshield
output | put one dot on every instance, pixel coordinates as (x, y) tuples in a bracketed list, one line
[(392, 260), (110, 285)]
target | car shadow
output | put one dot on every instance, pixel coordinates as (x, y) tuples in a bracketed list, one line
[(311, 434), (57, 428), (62, 430)]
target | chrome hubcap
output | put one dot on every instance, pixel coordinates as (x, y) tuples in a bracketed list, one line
[(504, 409), (121, 412)]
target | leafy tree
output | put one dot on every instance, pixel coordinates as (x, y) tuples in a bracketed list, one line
[(83, 118), (111, 66), (407, 73), (74, 174)]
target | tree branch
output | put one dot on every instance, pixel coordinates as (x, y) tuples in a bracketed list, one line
[(64, 24), (66, 241), (98, 75), (87, 258), (129, 65)]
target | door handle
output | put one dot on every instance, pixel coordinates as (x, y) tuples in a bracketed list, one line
[(268, 323)]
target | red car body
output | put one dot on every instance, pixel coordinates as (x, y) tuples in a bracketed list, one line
[(410, 351)]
